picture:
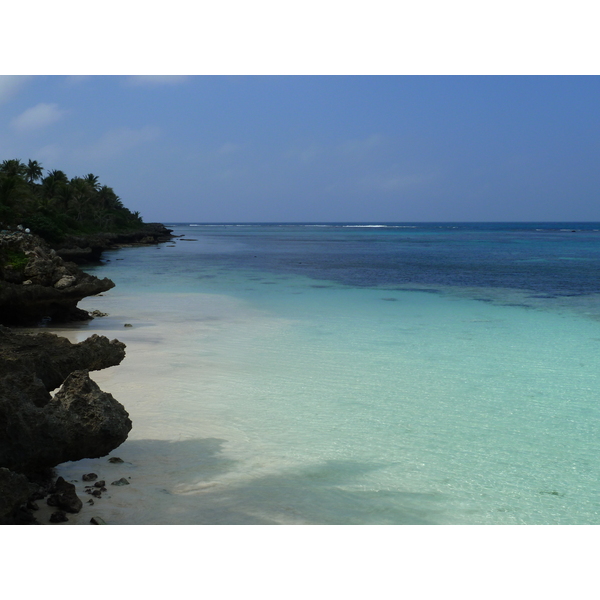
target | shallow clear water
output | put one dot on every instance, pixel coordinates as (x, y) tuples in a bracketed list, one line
[(342, 374)]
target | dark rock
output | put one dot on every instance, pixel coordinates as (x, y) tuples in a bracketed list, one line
[(90, 502), (89, 248), (97, 493), (51, 358), (97, 521), (60, 516), (25, 517), (121, 481), (81, 421), (90, 477), (115, 460), (42, 284), (65, 497), (15, 490), (100, 484)]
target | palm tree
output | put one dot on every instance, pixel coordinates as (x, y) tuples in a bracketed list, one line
[(15, 197), (93, 181), (33, 171), (83, 193), (13, 167), (59, 176)]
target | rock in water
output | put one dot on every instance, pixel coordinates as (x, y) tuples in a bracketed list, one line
[(65, 497), (121, 481), (97, 521)]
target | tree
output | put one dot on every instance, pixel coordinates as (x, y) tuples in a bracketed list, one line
[(14, 197), (92, 180), (13, 167), (33, 171), (59, 176)]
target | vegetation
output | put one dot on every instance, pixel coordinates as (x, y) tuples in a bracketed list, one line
[(14, 259), (55, 206)]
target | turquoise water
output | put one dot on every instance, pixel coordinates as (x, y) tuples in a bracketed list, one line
[(415, 373)]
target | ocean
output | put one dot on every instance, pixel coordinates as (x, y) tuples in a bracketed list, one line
[(354, 373)]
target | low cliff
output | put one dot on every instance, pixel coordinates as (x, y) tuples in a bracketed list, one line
[(36, 283), (89, 248), (39, 430)]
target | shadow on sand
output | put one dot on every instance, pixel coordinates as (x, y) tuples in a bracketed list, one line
[(193, 482)]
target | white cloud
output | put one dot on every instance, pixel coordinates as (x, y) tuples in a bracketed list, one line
[(37, 117), (156, 79), (9, 86), (117, 141)]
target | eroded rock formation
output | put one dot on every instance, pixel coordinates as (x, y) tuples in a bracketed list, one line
[(38, 430), (36, 283)]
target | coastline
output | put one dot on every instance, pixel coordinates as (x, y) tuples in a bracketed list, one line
[(46, 389)]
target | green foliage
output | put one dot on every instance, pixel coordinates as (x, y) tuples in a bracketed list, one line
[(52, 228), (15, 259), (55, 206)]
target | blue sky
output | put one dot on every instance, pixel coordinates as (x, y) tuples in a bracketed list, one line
[(319, 148)]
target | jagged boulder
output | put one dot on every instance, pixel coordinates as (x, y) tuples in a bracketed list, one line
[(65, 497), (81, 421)]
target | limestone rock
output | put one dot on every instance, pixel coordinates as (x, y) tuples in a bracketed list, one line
[(121, 481), (81, 421), (65, 282), (35, 282), (51, 358)]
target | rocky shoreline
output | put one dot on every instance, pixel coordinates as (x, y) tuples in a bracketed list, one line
[(51, 411), (89, 248)]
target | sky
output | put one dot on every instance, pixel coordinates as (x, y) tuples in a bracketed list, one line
[(318, 148)]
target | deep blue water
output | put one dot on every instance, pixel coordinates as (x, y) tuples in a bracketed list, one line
[(549, 259)]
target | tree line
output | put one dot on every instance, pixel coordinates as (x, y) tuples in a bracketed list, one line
[(55, 206)]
